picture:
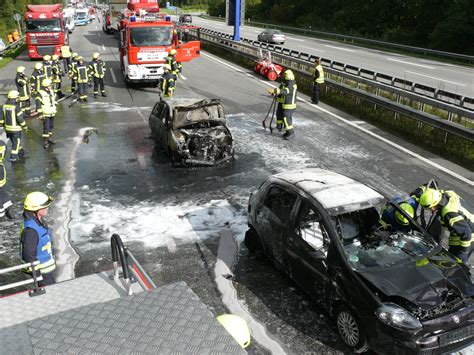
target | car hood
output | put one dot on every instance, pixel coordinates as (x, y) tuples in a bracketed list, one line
[(425, 283), (197, 112)]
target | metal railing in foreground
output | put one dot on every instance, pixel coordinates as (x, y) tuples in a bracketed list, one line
[(12, 46), (128, 264), (36, 278)]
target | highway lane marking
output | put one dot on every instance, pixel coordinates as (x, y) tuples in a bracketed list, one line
[(410, 63), (103, 47), (376, 136), (342, 49), (113, 76), (432, 77), (312, 48), (295, 39)]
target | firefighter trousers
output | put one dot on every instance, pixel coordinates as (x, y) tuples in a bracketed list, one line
[(99, 82), (25, 106), (288, 121), (83, 90), (48, 126), (17, 149)]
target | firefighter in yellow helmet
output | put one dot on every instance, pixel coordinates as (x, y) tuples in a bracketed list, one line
[(97, 71), (37, 78), (72, 71), (47, 67), (57, 76), (171, 61), (36, 242), (5, 202), (46, 105), (168, 81), (83, 79), (12, 119), (286, 103), (455, 217), (23, 87)]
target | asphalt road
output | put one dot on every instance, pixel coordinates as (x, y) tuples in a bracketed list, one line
[(454, 78), (188, 224)]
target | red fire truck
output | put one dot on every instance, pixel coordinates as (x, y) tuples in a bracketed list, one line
[(45, 30), (146, 37)]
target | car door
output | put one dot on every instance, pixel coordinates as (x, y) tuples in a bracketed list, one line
[(306, 249), (274, 217)]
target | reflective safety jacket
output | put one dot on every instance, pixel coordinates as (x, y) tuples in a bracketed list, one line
[(36, 80), (46, 103), (82, 73), (458, 220), (22, 86), (171, 61), (72, 70), (48, 70), (11, 116), (3, 172), (97, 69), (57, 71), (44, 248), (319, 74), (286, 94), (65, 51)]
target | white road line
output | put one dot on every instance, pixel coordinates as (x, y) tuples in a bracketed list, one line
[(409, 63), (432, 77), (312, 48), (398, 147), (341, 49), (113, 76), (103, 47), (295, 39)]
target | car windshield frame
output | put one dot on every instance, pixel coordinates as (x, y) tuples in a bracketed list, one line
[(152, 36), (43, 25)]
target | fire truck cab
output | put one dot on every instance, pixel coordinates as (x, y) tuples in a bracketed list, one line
[(146, 38)]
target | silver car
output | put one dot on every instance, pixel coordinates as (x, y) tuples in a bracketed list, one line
[(272, 36)]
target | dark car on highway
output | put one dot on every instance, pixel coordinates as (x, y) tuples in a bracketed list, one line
[(272, 36), (192, 132), (390, 292), (186, 18)]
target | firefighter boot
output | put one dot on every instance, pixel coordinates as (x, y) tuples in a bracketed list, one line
[(103, 94), (46, 143), (96, 96), (289, 134)]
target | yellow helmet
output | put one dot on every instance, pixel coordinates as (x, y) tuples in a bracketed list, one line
[(79, 58), (96, 55), (36, 201), (173, 51), (430, 198), (47, 57), (38, 66), (289, 75), (75, 55), (400, 217), (20, 69), (46, 82), (237, 327), (55, 57), (13, 94)]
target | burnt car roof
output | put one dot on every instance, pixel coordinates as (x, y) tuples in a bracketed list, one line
[(336, 193), (189, 111)]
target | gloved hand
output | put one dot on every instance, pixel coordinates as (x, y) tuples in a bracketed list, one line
[(271, 91), (25, 129)]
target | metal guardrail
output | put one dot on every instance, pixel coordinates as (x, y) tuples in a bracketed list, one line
[(439, 95), (36, 278), (12, 46), (345, 38), (305, 67)]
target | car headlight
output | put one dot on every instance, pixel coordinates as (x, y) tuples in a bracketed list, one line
[(132, 70), (397, 317)]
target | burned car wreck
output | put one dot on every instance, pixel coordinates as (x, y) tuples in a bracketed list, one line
[(392, 292), (192, 132)]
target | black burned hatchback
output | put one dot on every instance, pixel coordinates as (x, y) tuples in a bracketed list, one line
[(390, 292)]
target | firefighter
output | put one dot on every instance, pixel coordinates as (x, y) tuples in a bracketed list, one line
[(83, 79), (66, 55), (171, 61), (47, 106), (5, 202), (23, 87), (318, 80), (97, 71), (12, 119), (168, 81), (36, 78), (57, 75), (286, 99), (393, 220), (72, 71), (47, 67), (36, 238), (456, 218)]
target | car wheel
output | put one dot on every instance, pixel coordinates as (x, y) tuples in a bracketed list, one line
[(252, 241), (350, 330)]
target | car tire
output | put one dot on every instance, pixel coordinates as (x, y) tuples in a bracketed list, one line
[(252, 241), (350, 330)]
